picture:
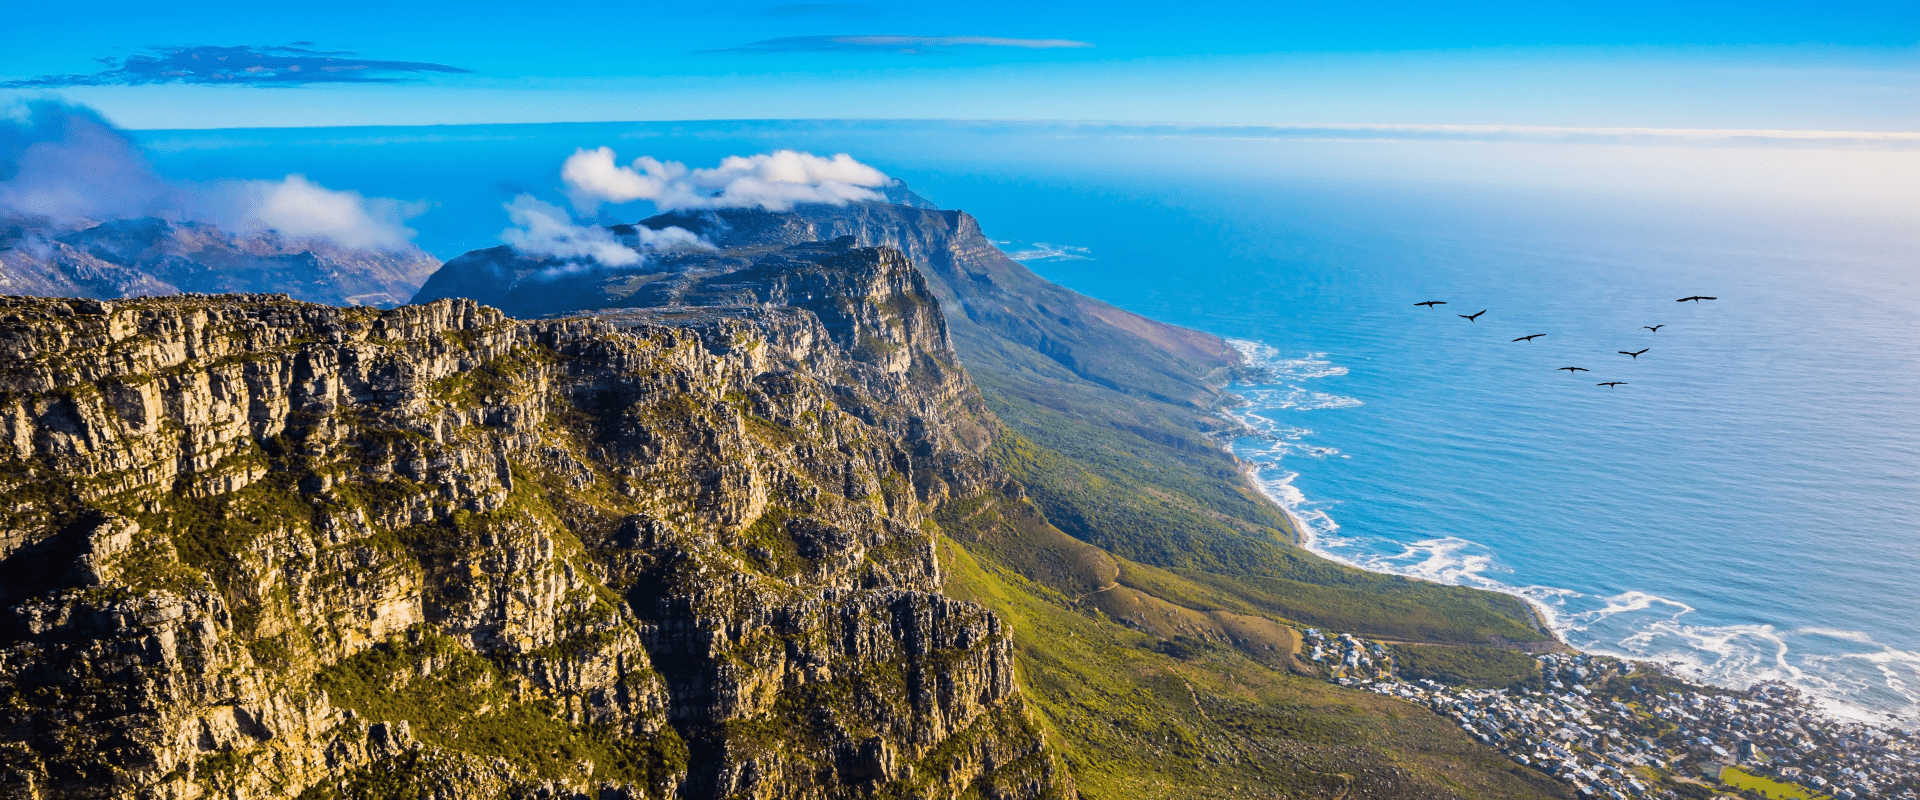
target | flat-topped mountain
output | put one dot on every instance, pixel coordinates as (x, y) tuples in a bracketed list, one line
[(993, 302), (993, 299), (152, 256)]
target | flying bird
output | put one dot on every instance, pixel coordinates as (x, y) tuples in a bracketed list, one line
[(1635, 354), (1654, 328), (1571, 370), (1529, 339), (1432, 303), (1696, 298), (1611, 384), (1473, 316)]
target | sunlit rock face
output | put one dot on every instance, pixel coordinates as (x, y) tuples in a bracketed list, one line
[(253, 547)]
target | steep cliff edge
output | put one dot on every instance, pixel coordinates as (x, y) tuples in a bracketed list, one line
[(994, 303), (258, 548), (994, 300)]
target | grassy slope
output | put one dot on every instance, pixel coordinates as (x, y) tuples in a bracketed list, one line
[(1767, 787), (1112, 413), (1199, 536), (1190, 703), (1155, 624)]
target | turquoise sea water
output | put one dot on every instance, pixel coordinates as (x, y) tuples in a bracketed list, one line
[(1745, 506)]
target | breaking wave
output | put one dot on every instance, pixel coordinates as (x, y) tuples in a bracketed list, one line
[(1041, 251)]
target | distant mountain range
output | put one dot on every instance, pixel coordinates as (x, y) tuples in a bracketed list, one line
[(152, 256)]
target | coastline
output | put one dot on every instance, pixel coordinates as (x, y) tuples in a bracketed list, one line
[(1303, 537), (1544, 618)]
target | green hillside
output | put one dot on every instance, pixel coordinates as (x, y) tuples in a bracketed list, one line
[(1152, 698)]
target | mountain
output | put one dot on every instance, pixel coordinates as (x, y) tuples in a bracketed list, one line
[(993, 301), (256, 548), (996, 303), (1090, 389), (1154, 598), (152, 256), (741, 527)]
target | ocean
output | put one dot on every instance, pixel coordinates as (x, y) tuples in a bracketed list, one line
[(1746, 506)]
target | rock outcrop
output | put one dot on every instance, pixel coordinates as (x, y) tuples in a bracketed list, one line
[(252, 547)]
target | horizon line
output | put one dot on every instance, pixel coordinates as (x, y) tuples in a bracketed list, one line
[(1810, 134)]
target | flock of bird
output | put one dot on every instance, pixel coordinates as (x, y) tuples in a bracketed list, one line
[(1635, 354)]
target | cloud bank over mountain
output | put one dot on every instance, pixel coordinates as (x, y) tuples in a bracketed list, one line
[(67, 165), (301, 209), (776, 181), (544, 229), (242, 65)]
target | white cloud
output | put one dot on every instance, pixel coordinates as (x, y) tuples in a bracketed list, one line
[(298, 208), (544, 229), (66, 163), (775, 181)]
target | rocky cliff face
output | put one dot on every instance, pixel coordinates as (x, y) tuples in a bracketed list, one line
[(146, 257), (251, 547), (1001, 312), (996, 301)]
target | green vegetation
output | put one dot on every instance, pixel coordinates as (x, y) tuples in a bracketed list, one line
[(494, 381), (1746, 782), (1200, 542), (454, 698), (220, 767), (1155, 597), (271, 653), (768, 546), (211, 534), (407, 776), (1477, 667), (1138, 716), (1134, 500)]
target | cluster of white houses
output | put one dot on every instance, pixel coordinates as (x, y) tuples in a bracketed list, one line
[(1614, 729)]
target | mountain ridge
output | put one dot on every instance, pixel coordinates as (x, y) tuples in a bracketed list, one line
[(999, 296), (151, 256)]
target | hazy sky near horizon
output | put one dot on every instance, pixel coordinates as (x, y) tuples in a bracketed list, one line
[(1769, 65)]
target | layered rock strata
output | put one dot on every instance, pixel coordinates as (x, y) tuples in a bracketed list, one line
[(251, 547)]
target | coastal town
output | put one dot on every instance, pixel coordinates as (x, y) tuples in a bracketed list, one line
[(1616, 729)]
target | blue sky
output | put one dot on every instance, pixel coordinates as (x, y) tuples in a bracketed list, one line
[(1835, 65)]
